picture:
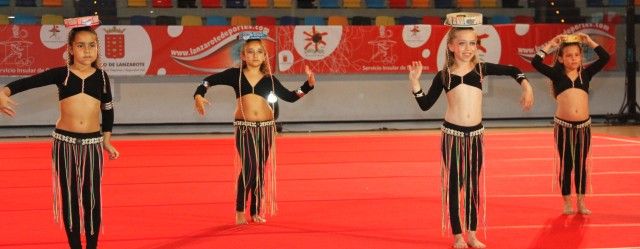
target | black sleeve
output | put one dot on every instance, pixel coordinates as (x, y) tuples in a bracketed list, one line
[(106, 105), (290, 96), (497, 69), (426, 101), (226, 77), (603, 59), (49, 77), (538, 63)]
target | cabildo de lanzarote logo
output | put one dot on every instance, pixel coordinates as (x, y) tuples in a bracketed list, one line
[(114, 43), (126, 50)]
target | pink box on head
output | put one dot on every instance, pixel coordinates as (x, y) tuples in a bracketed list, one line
[(82, 21)]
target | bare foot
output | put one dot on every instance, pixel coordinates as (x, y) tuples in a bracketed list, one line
[(240, 219), (258, 219), (584, 211), (568, 208), (582, 208), (458, 241), (473, 240)]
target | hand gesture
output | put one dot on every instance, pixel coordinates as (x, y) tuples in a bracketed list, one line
[(415, 70), (199, 104), (7, 105), (311, 77), (555, 42), (526, 99), (586, 39), (113, 153)]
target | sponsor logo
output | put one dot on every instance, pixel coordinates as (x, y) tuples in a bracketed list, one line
[(316, 42), (416, 35), (114, 43), (122, 57)]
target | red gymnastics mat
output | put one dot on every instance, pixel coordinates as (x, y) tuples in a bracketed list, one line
[(334, 191)]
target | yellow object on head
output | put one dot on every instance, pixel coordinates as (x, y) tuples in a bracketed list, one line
[(571, 39), (463, 19)]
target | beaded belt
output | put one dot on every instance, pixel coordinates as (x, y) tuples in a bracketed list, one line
[(254, 123), (566, 124), (456, 133), (73, 140)]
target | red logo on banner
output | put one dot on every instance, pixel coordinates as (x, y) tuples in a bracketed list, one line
[(114, 40), (54, 31), (314, 38), (415, 30)]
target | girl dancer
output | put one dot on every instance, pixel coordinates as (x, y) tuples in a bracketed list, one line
[(570, 83), (85, 97), (462, 139), (255, 130)]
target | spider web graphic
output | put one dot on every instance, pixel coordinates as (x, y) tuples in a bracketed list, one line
[(341, 59), (359, 40)]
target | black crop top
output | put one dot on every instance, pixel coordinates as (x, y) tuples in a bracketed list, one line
[(96, 85), (472, 78), (230, 77), (559, 78)]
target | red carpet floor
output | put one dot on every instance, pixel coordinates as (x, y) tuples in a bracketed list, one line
[(359, 191)]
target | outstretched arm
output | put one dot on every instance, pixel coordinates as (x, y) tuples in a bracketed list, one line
[(222, 78), (48, 77)]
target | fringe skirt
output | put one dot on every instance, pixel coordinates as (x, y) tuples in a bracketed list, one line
[(77, 175), (462, 158), (256, 166), (573, 140)]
